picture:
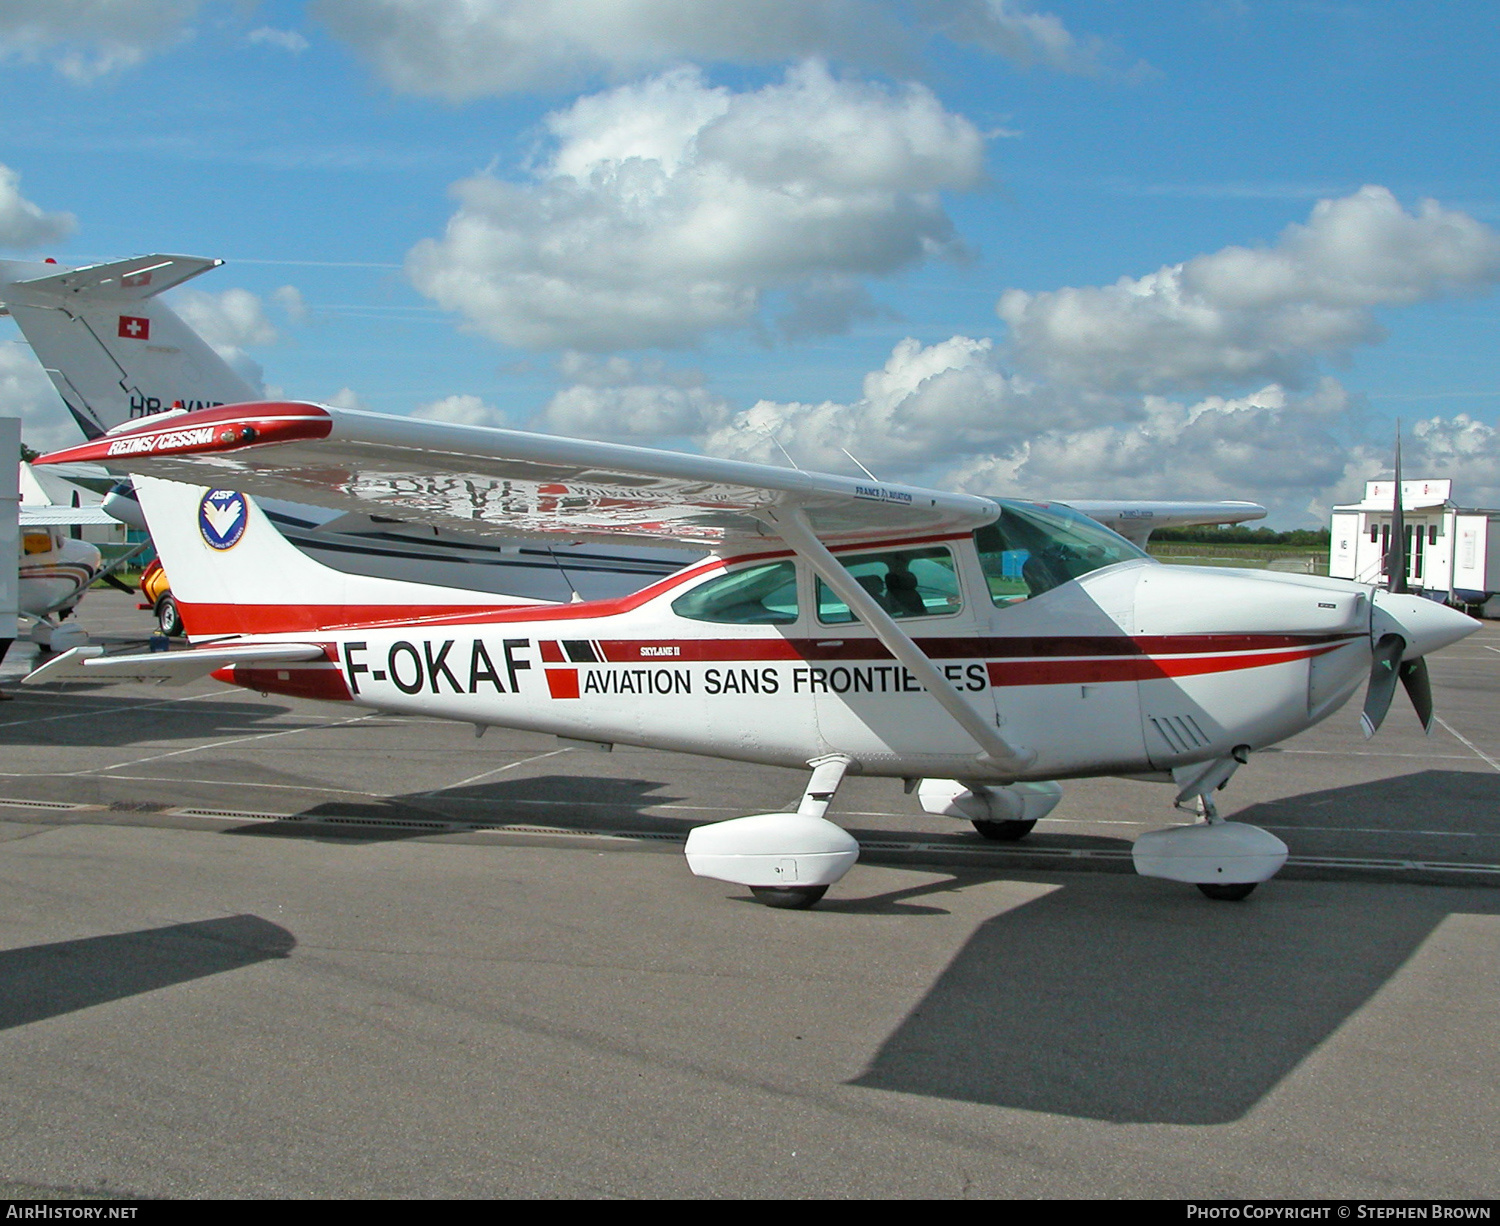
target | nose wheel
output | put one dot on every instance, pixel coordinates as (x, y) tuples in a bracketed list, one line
[(789, 897), (1004, 832), (1227, 893)]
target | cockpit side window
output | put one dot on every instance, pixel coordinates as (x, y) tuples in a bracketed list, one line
[(757, 596), (903, 582), (1034, 548)]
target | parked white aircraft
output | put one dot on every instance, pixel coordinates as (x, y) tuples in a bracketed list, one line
[(981, 650), (117, 353), (56, 568)]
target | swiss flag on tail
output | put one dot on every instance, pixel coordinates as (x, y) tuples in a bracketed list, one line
[(135, 327)]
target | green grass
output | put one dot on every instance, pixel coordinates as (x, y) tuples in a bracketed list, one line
[(1254, 557)]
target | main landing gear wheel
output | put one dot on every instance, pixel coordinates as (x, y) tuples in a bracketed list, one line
[(167, 616), (1227, 893), (789, 897), (1004, 832)]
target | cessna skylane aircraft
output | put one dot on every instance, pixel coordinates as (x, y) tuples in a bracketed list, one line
[(979, 650)]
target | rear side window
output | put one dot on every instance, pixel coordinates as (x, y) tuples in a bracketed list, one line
[(904, 582), (757, 596)]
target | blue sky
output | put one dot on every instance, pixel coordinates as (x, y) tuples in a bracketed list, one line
[(725, 227)]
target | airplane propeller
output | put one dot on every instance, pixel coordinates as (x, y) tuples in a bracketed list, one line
[(1386, 669), (1402, 622)]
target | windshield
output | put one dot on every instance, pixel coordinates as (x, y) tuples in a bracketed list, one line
[(1034, 547)]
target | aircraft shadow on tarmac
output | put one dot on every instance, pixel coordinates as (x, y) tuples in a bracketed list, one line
[(42, 981), (569, 802), (1153, 1005), (104, 720), (1443, 800)]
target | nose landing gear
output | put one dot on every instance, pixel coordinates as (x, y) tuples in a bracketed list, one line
[(1225, 860)]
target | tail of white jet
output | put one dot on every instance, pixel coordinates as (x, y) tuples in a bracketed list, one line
[(112, 348)]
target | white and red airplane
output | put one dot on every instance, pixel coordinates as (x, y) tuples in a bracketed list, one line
[(979, 649)]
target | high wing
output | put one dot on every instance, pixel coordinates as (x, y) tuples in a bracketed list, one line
[(510, 483), (53, 516), (1135, 521)]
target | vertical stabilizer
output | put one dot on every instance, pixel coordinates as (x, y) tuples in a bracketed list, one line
[(112, 348), (232, 572)]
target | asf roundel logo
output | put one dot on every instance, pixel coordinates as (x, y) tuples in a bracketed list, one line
[(221, 518)]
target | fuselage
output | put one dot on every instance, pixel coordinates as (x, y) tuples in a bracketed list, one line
[(55, 571), (1131, 668)]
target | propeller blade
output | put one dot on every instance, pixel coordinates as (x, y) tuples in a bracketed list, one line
[(1419, 689), (1395, 562), (1385, 668)]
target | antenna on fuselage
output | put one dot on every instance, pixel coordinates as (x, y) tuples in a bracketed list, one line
[(860, 466), (781, 449)]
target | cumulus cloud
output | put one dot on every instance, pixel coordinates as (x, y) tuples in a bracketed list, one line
[(925, 404), (1079, 401), (289, 299), (27, 393), (1243, 315), (462, 410), (668, 208), (630, 401), (1462, 448), (1140, 389), (828, 306), (949, 416), (283, 40), (23, 224), (1025, 37), (88, 39), (1292, 451), (466, 49), (347, 398), (228, 321)]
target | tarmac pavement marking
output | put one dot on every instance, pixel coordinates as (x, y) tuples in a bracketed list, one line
[(131, 709), (1439, 719), (499, 770), (239, 740)]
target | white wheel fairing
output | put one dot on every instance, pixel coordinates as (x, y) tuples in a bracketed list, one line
[(772, 850), (1222, 853)]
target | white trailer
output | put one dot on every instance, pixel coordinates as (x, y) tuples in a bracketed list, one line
[(1452, 552)]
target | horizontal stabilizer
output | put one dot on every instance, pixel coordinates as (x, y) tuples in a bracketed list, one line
[(166, 667), (140, 277)]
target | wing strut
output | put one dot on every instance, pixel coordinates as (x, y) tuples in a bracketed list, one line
[(792, 526)]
